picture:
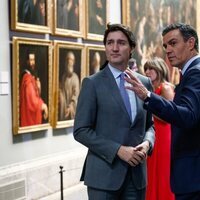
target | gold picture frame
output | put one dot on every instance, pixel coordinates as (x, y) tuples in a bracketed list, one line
[(31, 84), (96, 57), (31, 16), (97, 16), (69, 70), (69, 18)]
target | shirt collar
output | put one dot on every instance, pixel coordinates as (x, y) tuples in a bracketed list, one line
[(116, 72), (188, 63)]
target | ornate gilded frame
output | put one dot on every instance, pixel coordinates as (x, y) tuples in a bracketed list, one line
[(63, 27), (23, 23), (91, 51), (94, 34), (43, 58), (61, 49)]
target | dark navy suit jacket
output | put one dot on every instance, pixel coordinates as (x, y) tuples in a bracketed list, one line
[(184, 115)]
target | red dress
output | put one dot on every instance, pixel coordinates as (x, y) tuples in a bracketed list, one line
[(158, 164)]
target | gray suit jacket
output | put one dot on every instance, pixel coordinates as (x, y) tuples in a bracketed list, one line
[(102, 124)]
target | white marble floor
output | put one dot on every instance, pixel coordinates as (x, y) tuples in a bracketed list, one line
[(77, 192)]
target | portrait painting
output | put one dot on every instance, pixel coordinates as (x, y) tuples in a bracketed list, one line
[(96, 18), (69, 71), (147, 20), (31, 85), (95, 58), (69, 17), (31, 15)]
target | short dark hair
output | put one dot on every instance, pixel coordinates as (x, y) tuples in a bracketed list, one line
[(186, 30), (120, 27)]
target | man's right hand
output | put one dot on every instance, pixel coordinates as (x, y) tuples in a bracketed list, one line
[(45, 110), (130, 155)]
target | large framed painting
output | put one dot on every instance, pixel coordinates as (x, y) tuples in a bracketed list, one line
[(147, 19), (69, 69), (31, 85), (95, 58), (31, 15), (97, 16), (69, 18)]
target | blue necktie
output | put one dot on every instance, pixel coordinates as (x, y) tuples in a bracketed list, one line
[(124, 94)]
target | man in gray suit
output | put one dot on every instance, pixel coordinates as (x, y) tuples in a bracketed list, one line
[(117, 141)]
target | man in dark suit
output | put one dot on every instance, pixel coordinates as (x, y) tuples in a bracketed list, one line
[(118, 142), (181, 45)]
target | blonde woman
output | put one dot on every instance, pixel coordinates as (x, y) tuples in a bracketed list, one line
[(158, 165)]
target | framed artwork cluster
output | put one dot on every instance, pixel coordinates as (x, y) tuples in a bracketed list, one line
[(46, 77), (47, 73), (74, 18)]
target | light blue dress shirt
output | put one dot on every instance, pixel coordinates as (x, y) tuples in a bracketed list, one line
[(116, 73)]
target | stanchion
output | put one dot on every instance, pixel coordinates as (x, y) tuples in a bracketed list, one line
[(61, 182)]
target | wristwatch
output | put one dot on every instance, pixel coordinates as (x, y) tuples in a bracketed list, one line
[(146, 100)]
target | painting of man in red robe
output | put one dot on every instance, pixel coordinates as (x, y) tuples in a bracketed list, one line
[(33, 109)]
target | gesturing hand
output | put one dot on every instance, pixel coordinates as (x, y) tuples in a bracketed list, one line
[(136, 85)]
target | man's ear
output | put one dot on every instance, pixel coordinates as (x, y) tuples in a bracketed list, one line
[(191, 42)]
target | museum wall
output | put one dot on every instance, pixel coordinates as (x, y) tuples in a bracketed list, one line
[(31, 160)]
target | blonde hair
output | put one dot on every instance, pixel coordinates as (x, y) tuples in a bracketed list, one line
[(160, 66)]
